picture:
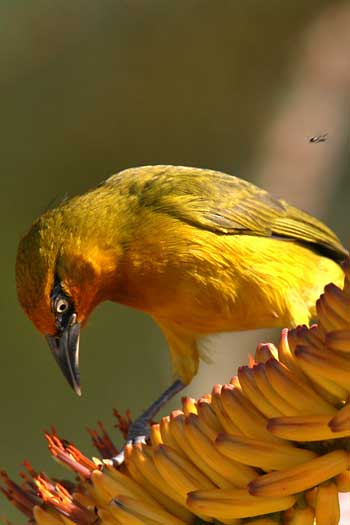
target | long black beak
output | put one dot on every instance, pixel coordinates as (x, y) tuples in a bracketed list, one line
[(65, 348)]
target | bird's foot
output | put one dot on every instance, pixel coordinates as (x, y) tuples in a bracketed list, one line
[(139, 430), (138, 433)]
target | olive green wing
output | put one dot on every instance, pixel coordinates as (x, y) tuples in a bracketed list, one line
[(225, 204)]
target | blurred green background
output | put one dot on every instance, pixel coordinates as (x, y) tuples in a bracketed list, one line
[(89, 88)]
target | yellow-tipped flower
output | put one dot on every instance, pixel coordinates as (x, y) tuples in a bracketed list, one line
[(271, 447)]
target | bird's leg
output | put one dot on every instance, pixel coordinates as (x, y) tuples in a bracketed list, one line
[(139, 429)]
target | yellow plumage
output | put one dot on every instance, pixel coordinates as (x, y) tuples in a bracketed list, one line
[(198, 250)]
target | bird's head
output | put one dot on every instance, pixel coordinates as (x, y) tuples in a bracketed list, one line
[(59, 282)]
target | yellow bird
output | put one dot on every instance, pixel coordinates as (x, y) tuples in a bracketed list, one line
[(200, 251)]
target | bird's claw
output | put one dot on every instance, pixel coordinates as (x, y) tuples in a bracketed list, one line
[(138, 433), (119, 459), (139, 430)]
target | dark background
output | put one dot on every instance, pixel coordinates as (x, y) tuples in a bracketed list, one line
[(89, 88)]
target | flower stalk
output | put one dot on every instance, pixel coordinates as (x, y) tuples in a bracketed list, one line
[(270, 447)]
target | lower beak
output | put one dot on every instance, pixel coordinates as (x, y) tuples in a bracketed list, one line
[(65, 348)]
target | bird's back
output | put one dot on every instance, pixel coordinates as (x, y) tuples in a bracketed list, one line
[(223, 204)]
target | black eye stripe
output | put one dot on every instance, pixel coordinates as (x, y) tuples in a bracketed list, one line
[(56, 291), (62, 307)]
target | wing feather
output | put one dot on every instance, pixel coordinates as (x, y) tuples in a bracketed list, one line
[(226, 204)]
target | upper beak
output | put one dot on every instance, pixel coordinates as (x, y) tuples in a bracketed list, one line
[(65, 348)]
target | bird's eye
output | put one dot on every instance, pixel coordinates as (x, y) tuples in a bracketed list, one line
[(61, 305)]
